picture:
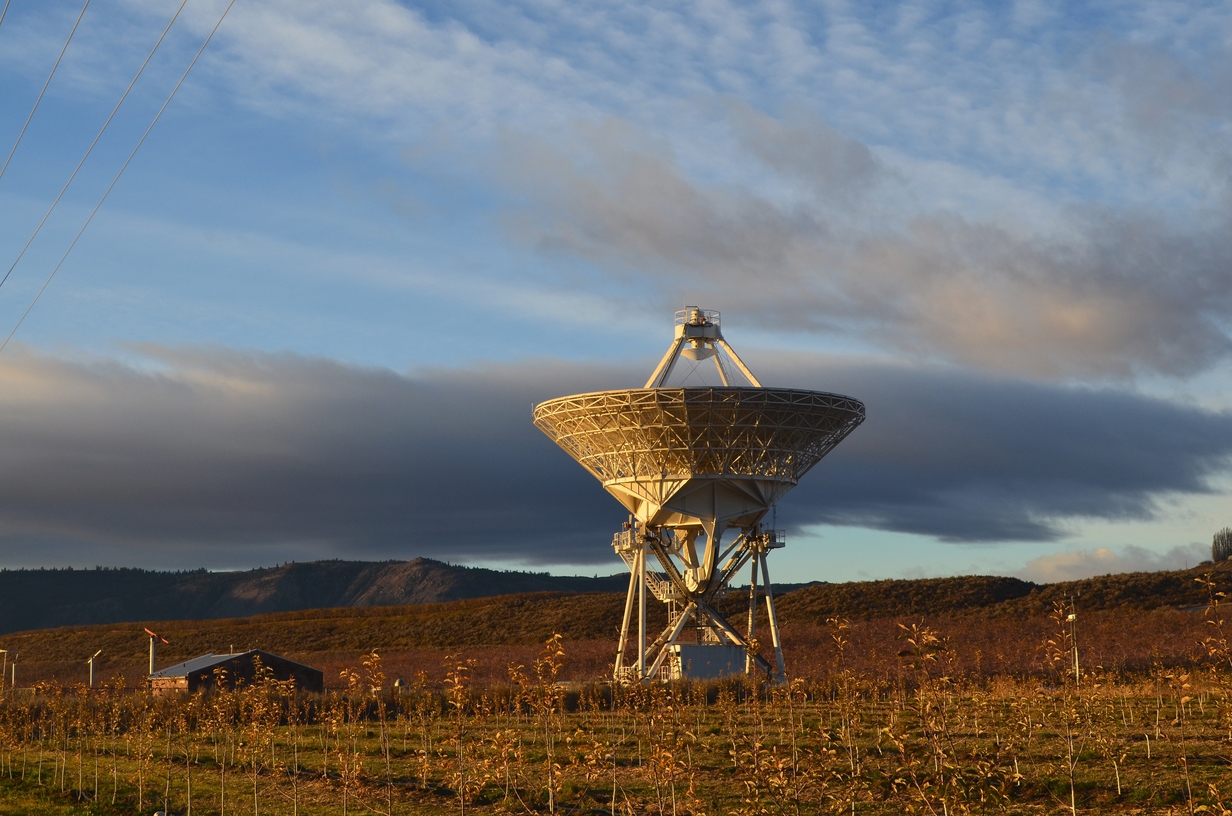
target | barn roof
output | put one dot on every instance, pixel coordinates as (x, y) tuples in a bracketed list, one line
[(209, 661)]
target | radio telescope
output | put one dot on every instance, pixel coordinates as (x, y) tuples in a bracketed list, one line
[(693, 464)]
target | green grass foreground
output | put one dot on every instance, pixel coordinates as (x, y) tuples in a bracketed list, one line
[(923, 741)]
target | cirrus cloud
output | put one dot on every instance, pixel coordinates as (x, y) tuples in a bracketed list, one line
[(1110, 294)]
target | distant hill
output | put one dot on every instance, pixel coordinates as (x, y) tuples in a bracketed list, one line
[(866, 600), (328, 605), (46, 598), (995, 595), (474, 622), (528, 619)]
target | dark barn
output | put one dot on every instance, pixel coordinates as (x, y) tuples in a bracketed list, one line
[(230, 670)]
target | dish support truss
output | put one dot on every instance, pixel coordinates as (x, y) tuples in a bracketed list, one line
[(640, 661), (694, 464)]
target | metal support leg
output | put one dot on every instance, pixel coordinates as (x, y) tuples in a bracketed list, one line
[(666, 642), (723, 626), (624, 626), (641, 612), (774, 621), (748, 659)]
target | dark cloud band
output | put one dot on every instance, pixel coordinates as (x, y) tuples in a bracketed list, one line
[(225, 459), (971, 458)]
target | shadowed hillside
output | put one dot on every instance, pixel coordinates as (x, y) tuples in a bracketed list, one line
[(1177, 589), (44, 599), (1134, 610), (993, 595), (504, 620), (39, 599), (866, 600)]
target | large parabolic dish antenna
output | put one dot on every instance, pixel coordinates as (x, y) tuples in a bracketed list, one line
[(695, 465)]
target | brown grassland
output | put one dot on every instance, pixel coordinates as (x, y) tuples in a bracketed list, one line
[(974, 709)]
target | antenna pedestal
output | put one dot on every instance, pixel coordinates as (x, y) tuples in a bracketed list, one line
[(698, 641)]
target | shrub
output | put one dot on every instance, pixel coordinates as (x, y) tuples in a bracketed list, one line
[(1221, 547)]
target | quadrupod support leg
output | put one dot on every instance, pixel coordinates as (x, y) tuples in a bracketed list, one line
[(685, 607)]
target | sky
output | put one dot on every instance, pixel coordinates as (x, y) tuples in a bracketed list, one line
[(363, 239)]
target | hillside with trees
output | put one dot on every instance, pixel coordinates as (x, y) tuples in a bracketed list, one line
[(46, 598)]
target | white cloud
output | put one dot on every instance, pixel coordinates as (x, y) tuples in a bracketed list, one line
[(1075, 564), (1132, 112), (1112, 295), (1049, 211), (1000, 188), (1060, 106)]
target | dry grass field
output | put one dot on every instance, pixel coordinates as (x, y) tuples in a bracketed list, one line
[(1129, 623), (967, 703), (967, 714)]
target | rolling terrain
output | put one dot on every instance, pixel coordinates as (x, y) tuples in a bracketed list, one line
[(990, 595), (45, 598), (1126, 620)]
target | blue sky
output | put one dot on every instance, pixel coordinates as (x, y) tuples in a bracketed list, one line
[(1007, 224)]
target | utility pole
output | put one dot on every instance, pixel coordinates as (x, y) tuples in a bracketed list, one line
[(91, 662), (1073, 635), (154, 637)]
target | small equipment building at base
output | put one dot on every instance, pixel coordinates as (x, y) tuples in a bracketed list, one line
[(233, 670)]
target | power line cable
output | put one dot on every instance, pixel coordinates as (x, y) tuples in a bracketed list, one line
[(114, 111), (4, 11), (45, 84), (140, 142)]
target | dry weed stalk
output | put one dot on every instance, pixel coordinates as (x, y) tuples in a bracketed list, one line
[(927, 738)]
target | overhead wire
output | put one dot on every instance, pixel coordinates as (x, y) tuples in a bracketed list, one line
[(90, 149), (45, 84), (124, 167), (4, 11)]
